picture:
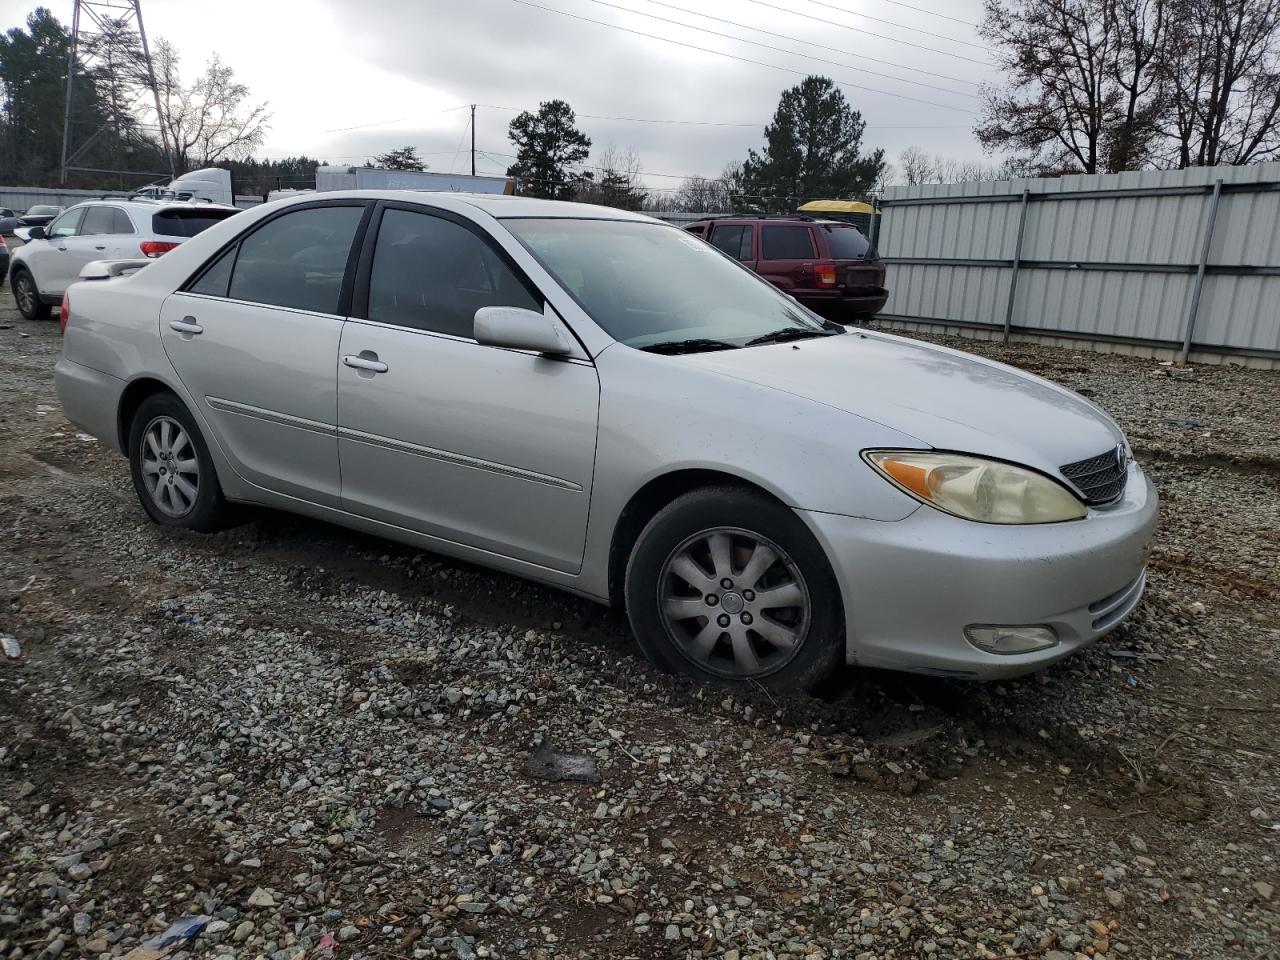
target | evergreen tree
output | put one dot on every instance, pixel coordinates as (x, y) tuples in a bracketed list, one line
[(812, 150), (547, 144), (406, 158)]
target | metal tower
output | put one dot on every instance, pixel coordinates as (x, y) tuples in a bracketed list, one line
[(107, 37)]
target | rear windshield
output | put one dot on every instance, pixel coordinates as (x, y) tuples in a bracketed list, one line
[(38, 211), (847, 242), (187, 223)]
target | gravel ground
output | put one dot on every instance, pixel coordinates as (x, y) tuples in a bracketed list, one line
[(323, 741)]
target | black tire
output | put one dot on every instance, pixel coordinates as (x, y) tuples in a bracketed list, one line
[(207, 510), (747, 519), (27, 296)]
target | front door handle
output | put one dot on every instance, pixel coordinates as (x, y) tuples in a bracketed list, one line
[(367, 360), (100, 246), (186, 325)]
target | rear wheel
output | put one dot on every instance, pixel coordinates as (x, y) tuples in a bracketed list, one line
[(172, 471), (727, 585), (27, 296)]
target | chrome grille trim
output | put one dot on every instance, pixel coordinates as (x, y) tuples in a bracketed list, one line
[(1099, 479)]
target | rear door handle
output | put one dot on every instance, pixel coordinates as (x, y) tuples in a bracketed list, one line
[(186, 325), (100, 246), (366, 361)]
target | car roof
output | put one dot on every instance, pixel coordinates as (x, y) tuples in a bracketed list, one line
[(768, 218), (496, 205), (146, 203)]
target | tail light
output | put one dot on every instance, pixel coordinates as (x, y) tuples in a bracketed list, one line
[(64, 311), (155, 248), (825, 274)]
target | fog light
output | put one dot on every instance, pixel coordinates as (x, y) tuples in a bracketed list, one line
[(995, 639)]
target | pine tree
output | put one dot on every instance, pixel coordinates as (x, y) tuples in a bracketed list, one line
[(547, 144)]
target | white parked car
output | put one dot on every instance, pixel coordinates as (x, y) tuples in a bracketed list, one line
[(41, 269)]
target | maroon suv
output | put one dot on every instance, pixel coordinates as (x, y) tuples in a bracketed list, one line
[(825, 264)]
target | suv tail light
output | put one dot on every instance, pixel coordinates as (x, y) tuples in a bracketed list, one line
[(825, 274), (64, 311), (154, 248)]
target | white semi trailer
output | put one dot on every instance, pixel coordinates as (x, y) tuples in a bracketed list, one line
[(371, 178)]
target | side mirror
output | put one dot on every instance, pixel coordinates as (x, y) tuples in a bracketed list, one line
[(8, 225), (519, 329), (36, 233)]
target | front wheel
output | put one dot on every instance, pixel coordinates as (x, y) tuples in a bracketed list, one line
[(725, 584), (27, 296), (172, 471)]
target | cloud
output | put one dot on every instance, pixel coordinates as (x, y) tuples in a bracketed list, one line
[(390, 67)]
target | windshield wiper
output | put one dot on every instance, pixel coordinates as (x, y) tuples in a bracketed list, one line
[(693, 345), (790, 333)]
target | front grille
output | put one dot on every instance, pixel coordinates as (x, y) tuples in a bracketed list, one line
[(1099, 479)]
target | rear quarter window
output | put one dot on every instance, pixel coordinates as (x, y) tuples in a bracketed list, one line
[(786, 243), (187, 223), (847, 243)]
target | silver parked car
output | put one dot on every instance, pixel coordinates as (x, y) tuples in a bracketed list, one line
[(598, 401)]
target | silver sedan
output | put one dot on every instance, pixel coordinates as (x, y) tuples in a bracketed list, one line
[(597, 401)]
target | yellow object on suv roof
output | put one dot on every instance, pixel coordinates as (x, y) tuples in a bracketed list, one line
[(835, 206)]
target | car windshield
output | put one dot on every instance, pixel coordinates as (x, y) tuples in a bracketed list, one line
[(43, 211), (650, 283)]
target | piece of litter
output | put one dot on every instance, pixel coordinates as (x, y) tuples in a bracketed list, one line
[(12, 648), (86, 438), (181, 931), (546, 763)]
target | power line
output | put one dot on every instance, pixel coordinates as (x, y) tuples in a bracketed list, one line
[(820, 46), (731, 56), (765, 46), (878, 36), (891, 23), (932, 13)]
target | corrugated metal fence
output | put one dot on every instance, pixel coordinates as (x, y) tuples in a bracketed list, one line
[(20, 198), (1168, 263)]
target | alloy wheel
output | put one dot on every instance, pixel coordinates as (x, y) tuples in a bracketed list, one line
[(170, 469), (25, 292), (734, 603)]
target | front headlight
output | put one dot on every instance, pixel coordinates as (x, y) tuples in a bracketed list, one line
[(975, 488)]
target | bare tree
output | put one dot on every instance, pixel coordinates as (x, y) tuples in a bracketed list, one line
[(919, 167), (722, 194), (1081, 80), (614, 180), (1222, 67), (212, 118)]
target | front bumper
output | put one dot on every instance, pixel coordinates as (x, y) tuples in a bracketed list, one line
[(910, 587)]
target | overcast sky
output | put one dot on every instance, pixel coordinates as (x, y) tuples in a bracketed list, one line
[(394, 68)]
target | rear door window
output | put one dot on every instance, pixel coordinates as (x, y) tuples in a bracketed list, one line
[(178, 222), (297, 260), (97, 222), (788, 242), (847, 243), (120, 222)]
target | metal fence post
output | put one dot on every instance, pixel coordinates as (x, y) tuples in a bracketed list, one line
[(1194, 310), (1017, 257)]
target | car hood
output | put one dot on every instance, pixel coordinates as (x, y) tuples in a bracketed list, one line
[(946, 399)]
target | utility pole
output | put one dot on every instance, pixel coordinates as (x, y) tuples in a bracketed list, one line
[(108, 36), (473, 139)]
